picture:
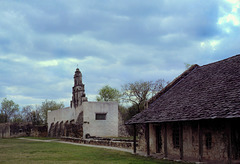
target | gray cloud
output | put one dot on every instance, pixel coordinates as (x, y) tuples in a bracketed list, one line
[(113, 42)]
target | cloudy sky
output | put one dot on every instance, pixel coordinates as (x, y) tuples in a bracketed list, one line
[(112, 42)]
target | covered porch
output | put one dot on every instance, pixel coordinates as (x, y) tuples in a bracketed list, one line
[(198, 140)]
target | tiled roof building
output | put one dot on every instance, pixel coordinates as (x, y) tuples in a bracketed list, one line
[(208, 93)]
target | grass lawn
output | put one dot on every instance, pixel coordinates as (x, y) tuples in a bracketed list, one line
[(23, 151)]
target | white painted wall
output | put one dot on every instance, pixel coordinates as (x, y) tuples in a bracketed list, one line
[(60, 115), (100, 128)]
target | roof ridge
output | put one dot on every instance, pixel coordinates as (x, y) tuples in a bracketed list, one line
[(173, 83), (200, 92), (223, 60)]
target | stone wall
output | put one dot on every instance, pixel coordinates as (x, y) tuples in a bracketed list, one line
[(20, 129), (141, 146), (103, 142), (39, 131), (4, 130), (122, 128), (190, 140), (217, 151), (8, 130), (219, 148)]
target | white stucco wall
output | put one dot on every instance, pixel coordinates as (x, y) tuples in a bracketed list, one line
[(63, 114), (100, 128), (59, 115)]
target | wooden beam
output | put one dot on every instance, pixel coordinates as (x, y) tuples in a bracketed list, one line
[(200, 142), (165, 140), (147, 138), (134, 138), (181, 140)]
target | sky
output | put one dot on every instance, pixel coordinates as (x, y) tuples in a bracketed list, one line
[(111, 42)]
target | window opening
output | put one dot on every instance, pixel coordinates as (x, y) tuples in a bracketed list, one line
[(101, 116), (208, 137)]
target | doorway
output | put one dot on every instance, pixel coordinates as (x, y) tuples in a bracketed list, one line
[(158, 139)]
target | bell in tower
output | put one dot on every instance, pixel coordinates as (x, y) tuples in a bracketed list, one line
[(78, 91)]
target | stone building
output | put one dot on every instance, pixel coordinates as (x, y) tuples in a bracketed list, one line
[(83, 118), (196, 117)]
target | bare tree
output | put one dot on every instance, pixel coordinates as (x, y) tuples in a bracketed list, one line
[(157, 86), (139, 92), (30, 114), (26, 113)]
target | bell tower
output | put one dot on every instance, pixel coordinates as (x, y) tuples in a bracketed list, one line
[(78, 91)]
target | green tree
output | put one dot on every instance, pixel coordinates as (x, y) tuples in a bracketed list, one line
[(8, 109), (108, 93), (49, 105)]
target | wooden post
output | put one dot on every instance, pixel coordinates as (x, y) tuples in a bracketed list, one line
[(147, 138), (165, 140), (229, 134), (158, 139), (200, 143), (181, 139), (134, 138)]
